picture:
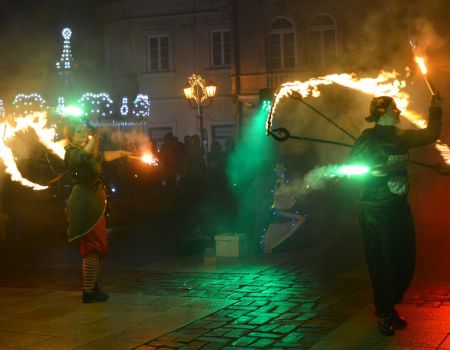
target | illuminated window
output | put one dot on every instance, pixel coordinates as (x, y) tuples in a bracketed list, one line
[(322, 40), (282, 44), (220, 48), (158, 53)]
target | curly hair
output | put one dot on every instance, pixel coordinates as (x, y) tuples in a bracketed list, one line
[(378, 106)]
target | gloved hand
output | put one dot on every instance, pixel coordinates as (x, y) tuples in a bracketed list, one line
[(379, 170), (436, 100)]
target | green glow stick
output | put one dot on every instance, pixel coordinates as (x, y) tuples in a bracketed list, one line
[(350, 170)]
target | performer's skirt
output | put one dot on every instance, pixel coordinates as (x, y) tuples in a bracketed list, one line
[(95, 241)]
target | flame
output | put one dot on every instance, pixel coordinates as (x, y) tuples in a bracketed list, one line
[(37, 121), (10, 127), (385, 84), (149, 158), (10, 167), (421, 63)]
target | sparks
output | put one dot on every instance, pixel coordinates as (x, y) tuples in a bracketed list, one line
[(147, 158)]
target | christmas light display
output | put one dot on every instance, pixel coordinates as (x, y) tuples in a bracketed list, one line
[(96, 104), (141, 106), (27, 103), (60, 105), (66, 60), (124, 108)]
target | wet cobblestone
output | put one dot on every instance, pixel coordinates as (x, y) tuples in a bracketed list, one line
[(268, 314), (291, 306), (287, 307)]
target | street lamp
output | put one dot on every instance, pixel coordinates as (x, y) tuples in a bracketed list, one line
[(200, 95)]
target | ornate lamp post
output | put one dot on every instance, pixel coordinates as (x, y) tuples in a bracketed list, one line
[(200, 95)]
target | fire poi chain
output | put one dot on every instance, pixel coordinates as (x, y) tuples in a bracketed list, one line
[(385, 84), (38, 122)]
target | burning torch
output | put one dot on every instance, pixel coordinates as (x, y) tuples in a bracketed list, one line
[(423, 68)]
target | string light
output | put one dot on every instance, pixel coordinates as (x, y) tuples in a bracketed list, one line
[(124, 108), (92, 104), (60, 106), (66, 60), (28, 103), (141, 106), (96, 104)]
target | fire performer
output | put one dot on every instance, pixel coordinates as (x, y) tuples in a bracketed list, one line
[(385, 216), (86, 204)]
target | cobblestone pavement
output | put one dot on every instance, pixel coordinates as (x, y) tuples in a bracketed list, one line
[(281, 307), (318, 300), (285, 307)]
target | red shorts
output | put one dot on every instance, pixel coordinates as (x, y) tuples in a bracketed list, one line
[(95, 241)]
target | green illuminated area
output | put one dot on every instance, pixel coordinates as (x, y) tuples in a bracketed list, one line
[(250, 170), (351, 170), (254, 153), (72, 111)]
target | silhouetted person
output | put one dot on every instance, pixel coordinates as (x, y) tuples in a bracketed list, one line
[(171, 159), (385, 216), (194, 171), (216, 166)]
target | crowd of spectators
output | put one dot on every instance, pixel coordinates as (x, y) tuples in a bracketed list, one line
[(190, 183)]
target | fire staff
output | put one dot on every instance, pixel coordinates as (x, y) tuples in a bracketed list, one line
[(385, 216), (86, 204)]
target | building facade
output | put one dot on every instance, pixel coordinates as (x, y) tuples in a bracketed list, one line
[(154, 46), (242, 46)]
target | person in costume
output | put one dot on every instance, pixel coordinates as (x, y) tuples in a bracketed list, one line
[(86, 204), (385, 217)]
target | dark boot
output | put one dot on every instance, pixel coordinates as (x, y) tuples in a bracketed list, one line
[(88, 297), (386, 326), (96, 296), (398, 321), (99, 294)]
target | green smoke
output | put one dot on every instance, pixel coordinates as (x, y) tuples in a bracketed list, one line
[(254, 155), (250, 171)]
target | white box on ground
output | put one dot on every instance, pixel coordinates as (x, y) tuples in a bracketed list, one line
[(230, 244)]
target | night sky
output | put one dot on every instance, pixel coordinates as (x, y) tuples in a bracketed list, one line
[(31, 43)]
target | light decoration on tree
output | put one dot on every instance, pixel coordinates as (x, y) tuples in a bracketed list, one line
[(2, 109), (141, 106), (66, 60), (96, 104), (27, 103), (124, 108)]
